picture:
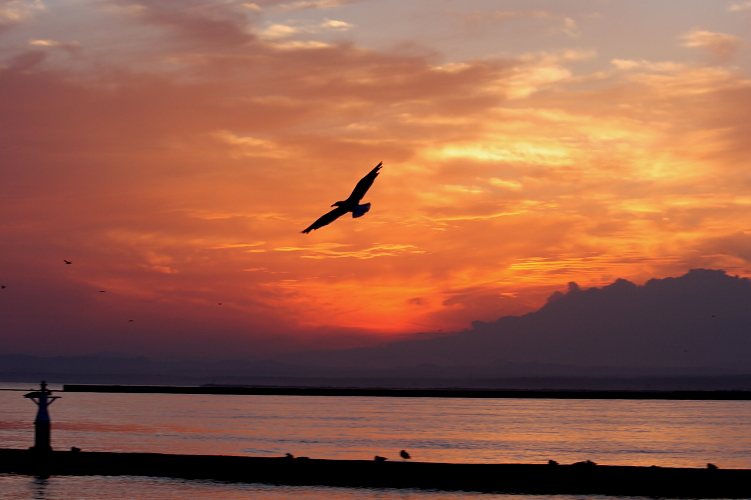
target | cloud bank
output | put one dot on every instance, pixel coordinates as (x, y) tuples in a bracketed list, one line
[(699, 320)]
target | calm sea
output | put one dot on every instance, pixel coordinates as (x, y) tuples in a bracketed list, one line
[(665, 433)]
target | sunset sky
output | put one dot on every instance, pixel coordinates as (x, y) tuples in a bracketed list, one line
[(174, 150)]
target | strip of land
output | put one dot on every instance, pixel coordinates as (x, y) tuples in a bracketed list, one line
[(413, 393), (508, 478)]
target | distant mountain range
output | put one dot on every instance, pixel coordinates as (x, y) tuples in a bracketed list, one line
[(694, 327)]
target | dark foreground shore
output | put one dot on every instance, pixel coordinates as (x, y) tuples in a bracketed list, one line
[(508, 478)]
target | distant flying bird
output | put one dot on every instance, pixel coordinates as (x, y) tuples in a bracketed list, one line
[(102, 291), (130, 320), (404, 454), (2, 286), (67, 261), (351, 204)]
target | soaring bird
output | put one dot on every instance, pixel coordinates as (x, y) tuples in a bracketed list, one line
[(351, 204), (67, 261)]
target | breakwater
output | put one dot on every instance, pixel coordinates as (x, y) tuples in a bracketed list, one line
[(413, 393), (509, 478)]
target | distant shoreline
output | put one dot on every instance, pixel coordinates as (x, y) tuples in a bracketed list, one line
[(412, 393)]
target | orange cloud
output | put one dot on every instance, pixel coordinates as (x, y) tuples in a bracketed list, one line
[(17, 11), (720, 45), (178, 172)]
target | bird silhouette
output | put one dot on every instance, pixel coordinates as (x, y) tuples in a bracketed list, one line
[(404, 454), (131, 320), (379, 458), (2, 286), (351, 204), (67, 261)]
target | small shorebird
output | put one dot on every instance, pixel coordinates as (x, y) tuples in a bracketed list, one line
[(404, 454)]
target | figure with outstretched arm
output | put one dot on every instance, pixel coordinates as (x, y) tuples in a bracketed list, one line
[(43, 398)]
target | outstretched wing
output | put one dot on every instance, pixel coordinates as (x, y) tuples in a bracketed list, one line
[(362, 187), (326, 219)]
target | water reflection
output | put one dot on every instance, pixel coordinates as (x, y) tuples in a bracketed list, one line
[(147, 488), (666, 433), (39, 487)]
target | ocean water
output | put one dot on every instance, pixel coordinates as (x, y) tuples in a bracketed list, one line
[(664, 433), (148, 488)]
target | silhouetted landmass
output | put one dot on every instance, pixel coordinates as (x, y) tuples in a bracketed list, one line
[(111, 369)]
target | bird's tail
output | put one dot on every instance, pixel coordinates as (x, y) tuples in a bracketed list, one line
[(360, 210)]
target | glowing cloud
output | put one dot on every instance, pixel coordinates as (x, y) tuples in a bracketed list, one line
[(720, 45), (17, 11), (737, 7)]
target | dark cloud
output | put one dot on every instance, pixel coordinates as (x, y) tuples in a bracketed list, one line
[(214, 23), (701, 319)]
